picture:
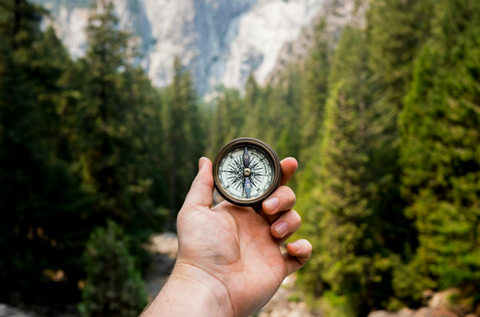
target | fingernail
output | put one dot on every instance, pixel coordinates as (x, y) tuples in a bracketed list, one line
[(281, 228), (271, 203), (201, 162)]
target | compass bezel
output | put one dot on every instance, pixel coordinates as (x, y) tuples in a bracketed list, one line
[(268, 151)]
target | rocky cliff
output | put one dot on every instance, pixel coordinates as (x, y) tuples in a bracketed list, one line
[(219, 41)]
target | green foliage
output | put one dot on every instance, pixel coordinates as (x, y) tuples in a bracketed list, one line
[(396, 31), (295, 297), (275, 106), (440, 153), (78, 143), (183, 142), (40, 196), (111, 128), (227, 112), (113, 286), (317, 69), (339, 213), (385, 124), (334, 305)]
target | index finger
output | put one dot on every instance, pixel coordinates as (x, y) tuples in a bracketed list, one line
[(289, 167)]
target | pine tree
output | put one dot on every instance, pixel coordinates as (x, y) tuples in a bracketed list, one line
[(253, 116), (316, 73), (316, 90), (113, 286), (228, 121), (342, 208), (42, 228), (396, 30), (351, 260), (110, 119), (285, 110), (183, 144), (440, 153)]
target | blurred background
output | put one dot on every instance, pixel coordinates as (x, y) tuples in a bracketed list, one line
[(106, 107)]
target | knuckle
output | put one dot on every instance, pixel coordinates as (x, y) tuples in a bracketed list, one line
[(288, 194), (294, 198), (296, 218)]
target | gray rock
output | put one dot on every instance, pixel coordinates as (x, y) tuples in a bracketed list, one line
[(434, 312), (8, 311), (219, 41), (404, 312)]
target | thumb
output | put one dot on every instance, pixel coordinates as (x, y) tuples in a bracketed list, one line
[(201, 192)]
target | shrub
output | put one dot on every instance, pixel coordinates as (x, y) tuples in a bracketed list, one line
[(113, 286)]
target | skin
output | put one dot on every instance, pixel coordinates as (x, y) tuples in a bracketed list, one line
[(229, 261)]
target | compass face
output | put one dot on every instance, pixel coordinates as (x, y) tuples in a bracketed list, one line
[(246, 171), (232, 173)]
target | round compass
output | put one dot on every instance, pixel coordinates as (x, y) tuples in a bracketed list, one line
[(246, 171)]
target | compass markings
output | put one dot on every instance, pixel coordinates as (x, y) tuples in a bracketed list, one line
[(232, 169)]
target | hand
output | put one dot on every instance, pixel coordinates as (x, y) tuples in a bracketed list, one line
[(229, 261)]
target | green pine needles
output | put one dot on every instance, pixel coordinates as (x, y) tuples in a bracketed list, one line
[(440, 148), (113, 286), (384, 119)]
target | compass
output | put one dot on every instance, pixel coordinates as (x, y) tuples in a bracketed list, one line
[(246, 171)]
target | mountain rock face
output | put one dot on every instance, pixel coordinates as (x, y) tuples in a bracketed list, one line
[(220, 41), (336, 14)]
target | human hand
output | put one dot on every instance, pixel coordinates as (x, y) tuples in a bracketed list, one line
[(229, 261)]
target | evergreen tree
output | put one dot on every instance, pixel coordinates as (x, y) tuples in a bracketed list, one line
[(317, 69), (110, 143), (113, 286), (227, 121), (183, 144), (396, 30), (342, 209), (41, 227), (316, 90), (351, 258), (285, 108), (252, 112), (440, 153)]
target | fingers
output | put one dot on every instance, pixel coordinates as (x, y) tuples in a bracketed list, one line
[(288, 223), (282, 199), (201, 192), (298, 253), (289, 167)]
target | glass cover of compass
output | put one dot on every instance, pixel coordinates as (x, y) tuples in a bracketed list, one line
[(246, 171)]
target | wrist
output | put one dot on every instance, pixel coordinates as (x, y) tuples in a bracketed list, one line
[(191, 291)]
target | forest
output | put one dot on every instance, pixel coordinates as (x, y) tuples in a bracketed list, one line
[(384, 121)]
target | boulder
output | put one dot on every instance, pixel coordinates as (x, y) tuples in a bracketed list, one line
[(434, 312), (7, 311), (382, 313), (404, 312), (443, 299)]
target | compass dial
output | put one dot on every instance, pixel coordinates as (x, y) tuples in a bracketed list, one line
[(232, 173), (246, 171)]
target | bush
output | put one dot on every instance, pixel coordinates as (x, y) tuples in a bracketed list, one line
[(113, 286)]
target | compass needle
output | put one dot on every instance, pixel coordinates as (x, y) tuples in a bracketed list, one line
[(248, 186), (246, 158)]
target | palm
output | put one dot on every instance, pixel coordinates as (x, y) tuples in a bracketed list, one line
[(235, 245)]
